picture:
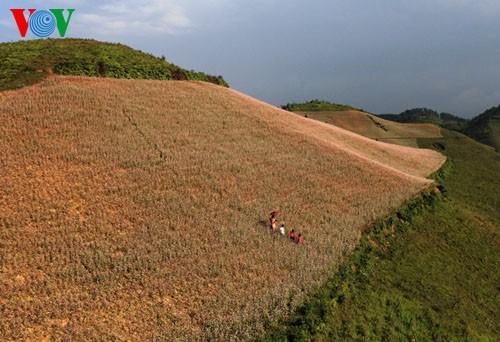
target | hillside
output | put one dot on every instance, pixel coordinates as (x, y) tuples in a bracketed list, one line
[(485, 128), (429, 272), (27, 62), (133, 209), (426, 115), (374, 127)]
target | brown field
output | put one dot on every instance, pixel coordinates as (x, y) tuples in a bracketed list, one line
[(376, 128), (137, 210)]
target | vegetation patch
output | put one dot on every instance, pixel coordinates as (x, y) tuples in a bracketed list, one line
[(377, 124), (315, 106)]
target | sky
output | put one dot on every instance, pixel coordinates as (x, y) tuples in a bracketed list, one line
[(384, 56)]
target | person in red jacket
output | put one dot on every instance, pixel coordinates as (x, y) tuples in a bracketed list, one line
[(299, 239), (292, 235)]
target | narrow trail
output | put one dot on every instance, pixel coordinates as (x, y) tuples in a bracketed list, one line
[(143, 135)]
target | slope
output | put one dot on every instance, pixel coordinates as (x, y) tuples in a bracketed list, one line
[(137, 209), (374, 127), (431, 272), (27, 62), (485, 127)]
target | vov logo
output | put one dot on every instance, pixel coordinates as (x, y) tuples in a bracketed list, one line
[(42, 23)]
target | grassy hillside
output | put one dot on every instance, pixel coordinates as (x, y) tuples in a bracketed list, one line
[(138, 210), (315, 105), (27, 62), (374, 127), (426, 115), (485, 128), (430, 272)]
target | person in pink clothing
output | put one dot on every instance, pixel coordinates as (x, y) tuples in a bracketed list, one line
[(273, 223)]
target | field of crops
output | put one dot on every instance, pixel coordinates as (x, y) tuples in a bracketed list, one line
[(373, 127), (139, 209)]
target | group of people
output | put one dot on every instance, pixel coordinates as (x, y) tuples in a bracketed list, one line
[(297, 239)]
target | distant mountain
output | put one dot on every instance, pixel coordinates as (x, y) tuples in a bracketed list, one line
[(485, 127), (28, 62), (426, 115)]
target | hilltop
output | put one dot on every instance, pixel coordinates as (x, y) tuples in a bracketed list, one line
[(485, 127), (426, 115), (315, 106), (135, 209), (373, 127), (27, 62)]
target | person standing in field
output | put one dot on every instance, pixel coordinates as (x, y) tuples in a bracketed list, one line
[(292, 235), (282, 229), (273, 223), (299, 239)]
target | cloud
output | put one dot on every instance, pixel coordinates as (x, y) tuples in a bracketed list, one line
[(482, 7), (127, 18)]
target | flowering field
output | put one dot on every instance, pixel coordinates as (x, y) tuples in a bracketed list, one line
[(136, 210)]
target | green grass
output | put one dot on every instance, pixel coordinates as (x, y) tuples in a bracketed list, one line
[(28, 62), (315, 105), (428, 272)]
